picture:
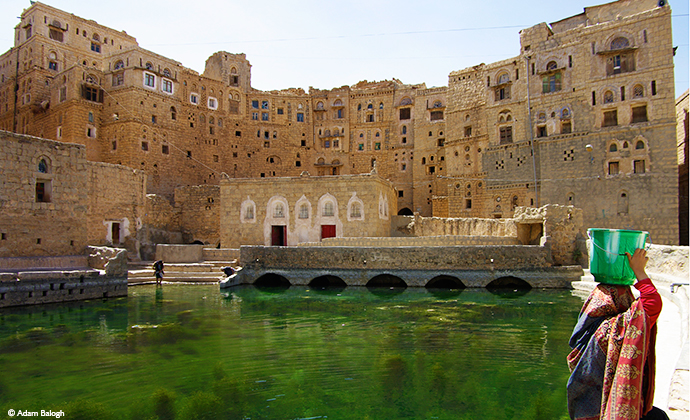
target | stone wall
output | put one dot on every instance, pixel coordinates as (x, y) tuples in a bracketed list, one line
[(117, 205), (43, 197), (199, 211), (418, 241), (40, 280), (419, 226), (418, 258), (682, 136)]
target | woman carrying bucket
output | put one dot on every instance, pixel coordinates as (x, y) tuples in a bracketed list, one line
[(612, 361)]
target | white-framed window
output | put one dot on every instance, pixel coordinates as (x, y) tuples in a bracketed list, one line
[(149, 80), (279, 211), (328, 209), (167, 86), (248, 211), (304, 211), (355, 208), (212, 102), (194, 98)]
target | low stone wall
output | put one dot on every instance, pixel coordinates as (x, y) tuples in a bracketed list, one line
[(33, 263), (40, 287), (440, 226), (419, 242), (220, 254), (39, 280), (179, 253)]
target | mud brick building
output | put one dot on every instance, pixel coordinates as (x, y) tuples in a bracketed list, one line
[(583, 115)]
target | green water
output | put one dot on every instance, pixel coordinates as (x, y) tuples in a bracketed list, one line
[(191, 352)]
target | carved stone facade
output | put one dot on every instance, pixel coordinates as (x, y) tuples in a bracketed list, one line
[(583, 116)]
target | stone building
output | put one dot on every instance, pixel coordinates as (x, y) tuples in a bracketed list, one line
[(53, 201), (565, 124), (295, 210), (551, 125), (682, 133)]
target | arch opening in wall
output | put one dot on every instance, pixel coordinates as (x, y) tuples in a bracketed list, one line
[(328, 283), (445, 282), (509, 286), (386, 286), (405, 212), (386, 281), (445, 287), (272, 282)]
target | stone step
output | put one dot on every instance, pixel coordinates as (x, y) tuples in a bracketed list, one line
[(174, 279), (149, 273)]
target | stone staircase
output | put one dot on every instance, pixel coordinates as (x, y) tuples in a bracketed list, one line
[(201, 272)]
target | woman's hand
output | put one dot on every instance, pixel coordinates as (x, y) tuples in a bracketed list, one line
[(638, 262)]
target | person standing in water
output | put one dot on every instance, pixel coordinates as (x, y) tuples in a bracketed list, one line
[(612, 363), (158, 271)]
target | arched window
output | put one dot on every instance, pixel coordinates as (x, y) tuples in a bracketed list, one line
[(639, 145), (638, 91), (438, 104), (620, 43), (149, 66), (503, 78), (608, 97), (552, 65), (279, 211), (359, 107), (319, 105), (43, 166), (96, 37), (381, 105), (338, 102), (304, 211), (119, 65), (328, 209), (356, 211), (370, 106), (166, 73), (613, 147), (404, 129)]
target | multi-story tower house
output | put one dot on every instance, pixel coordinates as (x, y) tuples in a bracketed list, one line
[(583, 116)]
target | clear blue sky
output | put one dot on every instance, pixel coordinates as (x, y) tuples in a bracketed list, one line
[(327, 44)]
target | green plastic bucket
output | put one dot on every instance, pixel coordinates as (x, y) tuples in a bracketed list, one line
[(607, 260)]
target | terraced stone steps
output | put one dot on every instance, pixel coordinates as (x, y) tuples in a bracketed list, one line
[(202, 272)]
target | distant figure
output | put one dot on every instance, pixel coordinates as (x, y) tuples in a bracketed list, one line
[(158, 271), (613, 359), (229, 271)]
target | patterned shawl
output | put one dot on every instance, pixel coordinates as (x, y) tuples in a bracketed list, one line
[(612, 361)]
